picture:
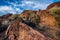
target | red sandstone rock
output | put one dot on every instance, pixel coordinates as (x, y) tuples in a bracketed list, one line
[(21, 31), (46, 19)]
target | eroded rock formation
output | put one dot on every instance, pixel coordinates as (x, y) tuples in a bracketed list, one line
[(41, 17), (46, 19), (21, 31)]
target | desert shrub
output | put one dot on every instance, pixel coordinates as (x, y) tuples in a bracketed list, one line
[(33, 17), (14, 16)]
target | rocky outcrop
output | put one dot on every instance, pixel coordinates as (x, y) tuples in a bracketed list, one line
[(46, 19), (56, 4), (41, 17), (48, 24), (25, 14), (44, 23), (21, 31)]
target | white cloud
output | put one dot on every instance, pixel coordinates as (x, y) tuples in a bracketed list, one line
[(18, 10), (35, 5), (7, 9), (40, 6), (31, 4), (2, 8), (15, 6)]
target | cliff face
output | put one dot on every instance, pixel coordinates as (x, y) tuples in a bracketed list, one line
[(56, 4), (26, 14), (41, 17), (46, 23), (21, 31), (46, 19)]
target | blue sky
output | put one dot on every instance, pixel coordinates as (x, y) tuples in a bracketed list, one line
[(17, 6)]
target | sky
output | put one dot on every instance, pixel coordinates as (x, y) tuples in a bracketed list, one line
[(18, 6)]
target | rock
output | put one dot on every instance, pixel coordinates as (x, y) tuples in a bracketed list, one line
[(21, 31), (48, 24), (41, 17), (55, 4), (25, 14), (46, 19), (29, 17)]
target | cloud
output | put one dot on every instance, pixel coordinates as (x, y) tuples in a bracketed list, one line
[(19, 6), (34, 5), (28, 2), (2, 8), (30, 5), (7, 9), (40, 6)]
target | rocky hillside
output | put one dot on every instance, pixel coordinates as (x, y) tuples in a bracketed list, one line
[(38, 17), (21, 31), (32, 25), (46, 19), (40, 20), (54, 9)]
